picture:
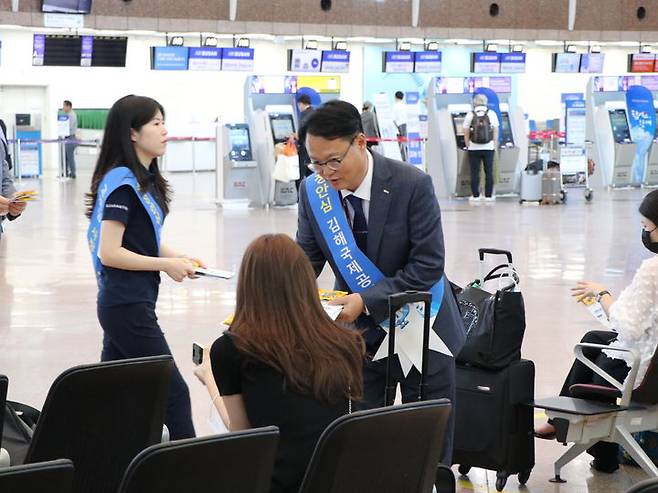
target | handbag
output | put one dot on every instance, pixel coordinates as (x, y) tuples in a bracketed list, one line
[(286, 167), (494, 321)]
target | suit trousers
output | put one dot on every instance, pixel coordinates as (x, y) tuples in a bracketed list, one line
[(440, 385), (69, 155), (132, 331)]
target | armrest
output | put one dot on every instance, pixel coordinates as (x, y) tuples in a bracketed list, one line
[(627, 387)]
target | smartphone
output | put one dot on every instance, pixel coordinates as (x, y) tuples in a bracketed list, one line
[(197, 353)]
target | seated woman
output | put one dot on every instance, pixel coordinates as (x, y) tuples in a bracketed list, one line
[(283, 361), (634, 322)]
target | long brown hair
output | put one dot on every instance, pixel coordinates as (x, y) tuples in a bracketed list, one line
[(279, 321), (128, 113)]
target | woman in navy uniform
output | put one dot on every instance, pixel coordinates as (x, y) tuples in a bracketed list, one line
[(127, 204)]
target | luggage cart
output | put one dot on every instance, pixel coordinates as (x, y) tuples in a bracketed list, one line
[(574, 171)]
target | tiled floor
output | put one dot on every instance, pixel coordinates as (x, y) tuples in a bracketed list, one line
[(47, 289)]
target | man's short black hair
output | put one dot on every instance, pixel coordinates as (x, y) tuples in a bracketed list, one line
[(304, 99), (333, 120), (399, 95), (68, 103)]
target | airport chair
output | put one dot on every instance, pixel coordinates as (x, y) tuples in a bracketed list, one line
[(240, 462), (647, 486), (611, 413), (101, 416), (388, 449), (54, 477), (4, 384)]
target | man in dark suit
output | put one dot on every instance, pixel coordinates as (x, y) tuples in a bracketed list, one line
[(396, 222)]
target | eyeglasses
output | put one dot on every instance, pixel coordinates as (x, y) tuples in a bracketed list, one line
[(333, 163)]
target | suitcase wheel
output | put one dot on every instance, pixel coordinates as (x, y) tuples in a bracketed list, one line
[(523, 477), (463, 469), (501, 480)]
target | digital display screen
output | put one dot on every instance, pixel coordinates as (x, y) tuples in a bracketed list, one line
[(458, 124), (398, 62), (591, 63), (337, 61), (282, 127), (512, 63), (427, 62), (239, 143), (506, 129), (169, 57), (641, 62), (485, 63), (304, 60), (109, 51), (566, 63), (66, 6), (619, 126)]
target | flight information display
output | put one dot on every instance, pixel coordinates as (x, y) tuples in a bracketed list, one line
[(641, 62), (591, 63), (485, 63), (566, 63), (79, 51), (398, 62)]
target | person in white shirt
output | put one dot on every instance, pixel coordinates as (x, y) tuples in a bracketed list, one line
[(634, 323), (480, 140), (400, 119)]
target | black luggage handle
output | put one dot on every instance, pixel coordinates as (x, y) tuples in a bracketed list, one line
[(395, 302), (495, 251)]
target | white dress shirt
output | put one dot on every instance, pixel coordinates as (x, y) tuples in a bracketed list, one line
[(363, 192)]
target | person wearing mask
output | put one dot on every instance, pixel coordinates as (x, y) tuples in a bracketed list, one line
[(378, 224), (480, 137), (369, 123), (633, 319), (9, 209), (305, 110), (69, 147), (127, 204), (400, 120), (283, 361)]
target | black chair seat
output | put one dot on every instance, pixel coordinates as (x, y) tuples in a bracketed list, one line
[(646, 486), (52, 477), (595, 392)]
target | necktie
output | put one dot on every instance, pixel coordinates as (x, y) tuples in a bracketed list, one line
[(359, 224)]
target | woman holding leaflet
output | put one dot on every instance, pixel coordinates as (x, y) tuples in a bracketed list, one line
[(127, 204)]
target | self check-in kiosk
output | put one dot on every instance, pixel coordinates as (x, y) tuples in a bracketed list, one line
[(271, 112), (608, 128), (447, 157), (241, 182)]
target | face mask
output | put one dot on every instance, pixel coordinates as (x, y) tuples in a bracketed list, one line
[(646, 241)]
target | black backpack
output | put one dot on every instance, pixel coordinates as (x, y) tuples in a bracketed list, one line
[(481, 129)]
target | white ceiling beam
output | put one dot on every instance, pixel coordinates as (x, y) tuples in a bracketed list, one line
[(572, 14), (415, 12), (232, 9)]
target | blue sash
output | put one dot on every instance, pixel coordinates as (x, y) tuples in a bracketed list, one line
[(358, 271), (111, 181)]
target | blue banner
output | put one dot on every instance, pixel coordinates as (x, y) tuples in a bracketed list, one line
[(335, 61), (241, 59), (512, 63), (494, 105), (205, 58), (169, 58), (414, 145), (642, 122)]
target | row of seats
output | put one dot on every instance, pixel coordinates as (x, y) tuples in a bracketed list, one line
[(101, 424)]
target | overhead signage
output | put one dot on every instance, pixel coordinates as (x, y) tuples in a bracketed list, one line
[(86, 51), (591, 63), (485, 63), (238, 59), (621, 83), (512, 63), (427, 62), (169, 58), (641, 62), (398, 62), (38, 49), (566, 63), (468, 85), (337, 61), (288, 84), (205, 59), (304, 60)]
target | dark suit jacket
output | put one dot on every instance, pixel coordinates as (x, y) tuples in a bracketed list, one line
[(405, 241)]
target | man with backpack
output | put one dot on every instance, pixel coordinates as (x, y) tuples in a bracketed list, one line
[(481, 136)]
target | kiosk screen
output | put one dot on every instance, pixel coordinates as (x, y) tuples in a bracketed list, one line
[(506, 129), (282, 127), (619, 125), (239, 143), (458, 123)]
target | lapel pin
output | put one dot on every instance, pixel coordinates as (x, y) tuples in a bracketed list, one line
[(386, 191)]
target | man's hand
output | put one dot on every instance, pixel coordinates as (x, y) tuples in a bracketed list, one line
[(4, 206), (353, 306), (17, 208)]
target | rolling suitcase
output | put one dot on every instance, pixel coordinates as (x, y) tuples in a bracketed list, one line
[(445, 480), (494, 426), (551, 186), (531, 186)]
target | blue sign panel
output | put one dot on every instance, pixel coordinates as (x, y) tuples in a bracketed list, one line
[(38, 49), (512, 63), (398, 62), (642, 121), (486, 63), (335, 61), (427, 61), (87, 49), (169, 58), (238, 59), (205, 59)]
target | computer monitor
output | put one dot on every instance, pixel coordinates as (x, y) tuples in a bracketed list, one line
[(506, 130), (619, 125), (458, 124), (282, 126), (239, 143)]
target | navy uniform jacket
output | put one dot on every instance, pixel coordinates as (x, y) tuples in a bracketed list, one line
[(405, 241)]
